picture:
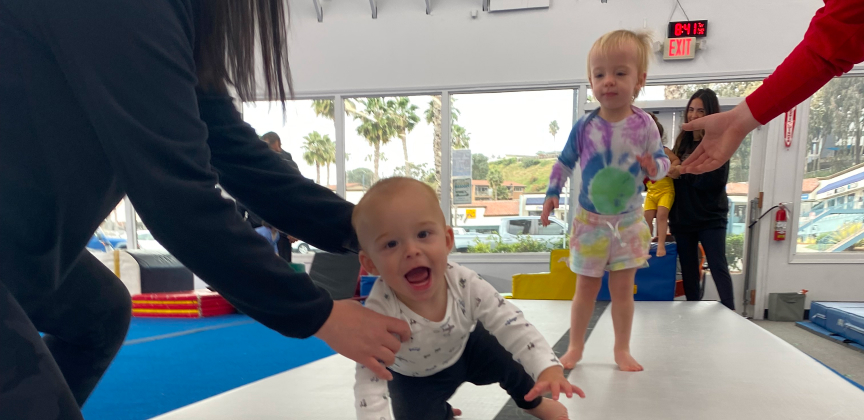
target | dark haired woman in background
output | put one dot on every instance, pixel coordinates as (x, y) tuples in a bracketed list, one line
[(102, 98), (700, 211)]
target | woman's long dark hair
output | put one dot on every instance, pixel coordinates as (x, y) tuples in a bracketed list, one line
[(225, 53), (684, 141)]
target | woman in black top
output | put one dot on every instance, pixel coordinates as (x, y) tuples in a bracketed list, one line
[(101, 98), (701, 209)]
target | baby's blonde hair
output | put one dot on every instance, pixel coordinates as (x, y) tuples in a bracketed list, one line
[(616, 40)]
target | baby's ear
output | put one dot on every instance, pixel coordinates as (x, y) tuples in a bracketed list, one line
[(448, 238), (368, 264)]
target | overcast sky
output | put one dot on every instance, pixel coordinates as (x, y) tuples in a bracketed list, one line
[(498, 123)]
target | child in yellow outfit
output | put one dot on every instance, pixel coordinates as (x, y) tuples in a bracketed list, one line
[(661, 195)]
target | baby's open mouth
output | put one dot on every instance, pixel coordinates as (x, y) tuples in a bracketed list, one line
[(418, 275)]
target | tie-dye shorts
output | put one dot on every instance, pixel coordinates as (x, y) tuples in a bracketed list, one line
[(601, 243)]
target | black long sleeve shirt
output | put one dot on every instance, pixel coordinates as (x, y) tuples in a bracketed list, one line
[(98, 99), (701, 202)]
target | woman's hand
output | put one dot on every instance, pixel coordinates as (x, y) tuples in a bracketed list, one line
[(674, 172), (550, 204), (724, 132), (364, 336)]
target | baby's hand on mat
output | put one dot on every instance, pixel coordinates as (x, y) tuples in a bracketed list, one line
[(552, 380), (648, 164)]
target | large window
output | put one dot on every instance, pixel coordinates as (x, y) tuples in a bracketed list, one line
[(510, 141), (832, 198), (111, 233), (671, 92), (306, 131), (391, 136)]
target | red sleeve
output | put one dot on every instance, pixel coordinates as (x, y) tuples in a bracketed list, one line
[(834, 43)]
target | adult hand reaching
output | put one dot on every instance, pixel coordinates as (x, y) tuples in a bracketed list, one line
[(364, 336), (724, 132)]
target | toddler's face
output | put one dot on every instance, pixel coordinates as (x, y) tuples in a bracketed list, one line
[(615, 77), (405, 241)]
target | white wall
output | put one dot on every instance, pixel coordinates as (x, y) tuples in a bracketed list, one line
[(404, 50)]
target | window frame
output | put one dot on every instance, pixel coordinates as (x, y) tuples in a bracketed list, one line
[(802, 144)]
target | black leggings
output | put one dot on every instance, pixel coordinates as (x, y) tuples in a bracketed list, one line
[(714, 243), (84, 320), (483, 362)]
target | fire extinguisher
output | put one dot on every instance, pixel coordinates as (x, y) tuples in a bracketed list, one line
[(780, 223)]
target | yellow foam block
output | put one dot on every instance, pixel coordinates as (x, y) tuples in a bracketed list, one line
[(558, 284), (548, 286), (558, 261)]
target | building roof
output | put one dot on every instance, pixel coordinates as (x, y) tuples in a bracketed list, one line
[(737, 188), (351, 186), (810, 185), (742, 188), (842, 183)]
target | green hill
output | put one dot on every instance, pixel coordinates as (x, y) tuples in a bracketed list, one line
[(533, 173)]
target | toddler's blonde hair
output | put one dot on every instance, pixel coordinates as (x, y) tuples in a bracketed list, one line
[(616, 40)]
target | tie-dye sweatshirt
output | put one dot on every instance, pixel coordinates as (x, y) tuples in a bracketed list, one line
[(606, 152)]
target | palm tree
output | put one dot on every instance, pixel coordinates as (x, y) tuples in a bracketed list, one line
[(376, 126), (325, 108), (433, 116), (329, 154), (495, 178), (553, 129), (316, 151), (404, 120), (459, 138)]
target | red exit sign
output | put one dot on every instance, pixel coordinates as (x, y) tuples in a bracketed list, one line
[(679, 49)]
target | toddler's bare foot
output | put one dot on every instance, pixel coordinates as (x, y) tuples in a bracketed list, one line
[(661, 250), (549, 409), (626, 362), (573, 356)]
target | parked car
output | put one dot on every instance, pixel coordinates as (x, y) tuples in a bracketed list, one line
[(146, 241), (510, 230), (102, 242), (301, 247)]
